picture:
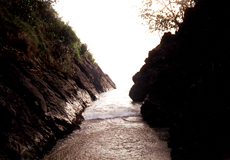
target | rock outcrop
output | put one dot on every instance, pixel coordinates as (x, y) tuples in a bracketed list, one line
[(47, 79), (184, 84), (37, 110)]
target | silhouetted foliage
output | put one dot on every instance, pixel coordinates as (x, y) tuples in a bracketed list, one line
[(184, 84), (164, 15), (84, 48)]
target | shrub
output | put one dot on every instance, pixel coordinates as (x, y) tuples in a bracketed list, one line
[(84, 48), (76, 52), (33, 27)]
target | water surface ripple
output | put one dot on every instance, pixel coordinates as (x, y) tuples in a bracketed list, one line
[(113, 129)]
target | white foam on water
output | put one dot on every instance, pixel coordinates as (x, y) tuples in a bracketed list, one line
[(110, 115), (112, 104)]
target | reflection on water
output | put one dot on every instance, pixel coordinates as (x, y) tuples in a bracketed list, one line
[(113, 129)]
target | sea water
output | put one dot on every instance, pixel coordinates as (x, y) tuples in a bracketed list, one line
[(113, 129)]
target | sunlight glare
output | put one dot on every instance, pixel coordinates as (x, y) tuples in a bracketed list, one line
[(113, 33)]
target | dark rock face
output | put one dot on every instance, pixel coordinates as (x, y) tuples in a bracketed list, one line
[(95, 81), (185, 86), (37, 110)]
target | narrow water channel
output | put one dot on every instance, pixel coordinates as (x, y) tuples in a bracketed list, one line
[(113, 129)]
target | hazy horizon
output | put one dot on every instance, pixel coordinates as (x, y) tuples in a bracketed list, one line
[(113, 32)]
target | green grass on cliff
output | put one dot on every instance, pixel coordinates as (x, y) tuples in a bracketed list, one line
[(32, 32)]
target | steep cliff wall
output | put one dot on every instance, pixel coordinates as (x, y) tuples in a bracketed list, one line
[(36, 111), (46, 80), (185, 86)]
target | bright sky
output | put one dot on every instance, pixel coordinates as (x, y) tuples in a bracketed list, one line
[(113, 32)]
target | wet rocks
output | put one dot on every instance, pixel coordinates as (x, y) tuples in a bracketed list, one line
[(37, 110)]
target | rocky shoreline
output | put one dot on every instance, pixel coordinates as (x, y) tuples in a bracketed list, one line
[(184, 84), (38, 110), (47, 78)]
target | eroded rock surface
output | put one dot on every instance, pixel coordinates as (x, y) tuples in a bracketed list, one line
[(37, 110)]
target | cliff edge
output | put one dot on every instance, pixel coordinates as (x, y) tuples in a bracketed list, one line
[(46, 80), (184, 84)]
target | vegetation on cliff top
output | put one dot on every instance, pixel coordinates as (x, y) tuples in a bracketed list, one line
[(184, 84), (33, 33), (168, 14)]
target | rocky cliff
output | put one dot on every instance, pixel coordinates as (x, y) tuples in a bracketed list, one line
[(184, 84), (36, 111), (45, 84)]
